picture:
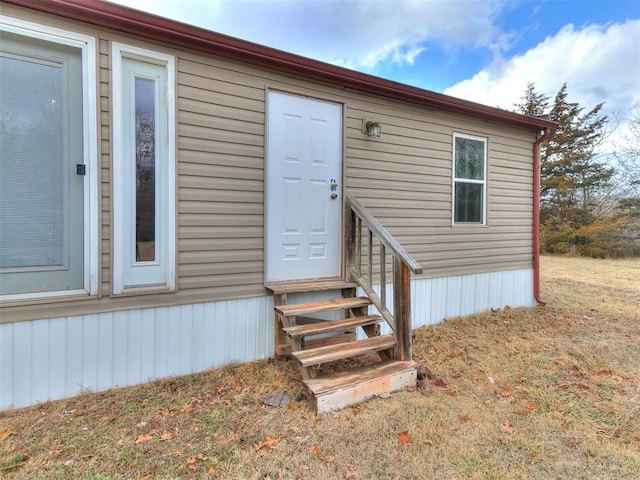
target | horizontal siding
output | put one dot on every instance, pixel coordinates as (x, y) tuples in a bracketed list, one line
[(404, 177)]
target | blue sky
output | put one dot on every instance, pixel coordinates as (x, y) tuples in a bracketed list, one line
[(481, 50)]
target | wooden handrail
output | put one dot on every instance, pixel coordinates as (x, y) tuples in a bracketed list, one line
[(403, 264), (383, 235)]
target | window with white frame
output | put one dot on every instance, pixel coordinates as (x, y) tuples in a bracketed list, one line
[(143, 169), (48, 162), (469, 179)]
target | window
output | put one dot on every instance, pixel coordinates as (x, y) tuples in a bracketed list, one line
[(48, 162), (469, 179), (143, 170)]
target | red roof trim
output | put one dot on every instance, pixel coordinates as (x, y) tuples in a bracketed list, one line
[(160, 29)]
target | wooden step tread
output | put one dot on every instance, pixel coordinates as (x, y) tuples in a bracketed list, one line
[(331, 353), (299, 331), (323, 306), (310, 286), (329, 383)]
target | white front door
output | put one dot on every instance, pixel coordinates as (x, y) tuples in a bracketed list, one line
[(303, 188)]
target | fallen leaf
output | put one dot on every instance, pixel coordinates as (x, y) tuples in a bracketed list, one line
[(403, 438), (350, 416), (350, 472), (506, 392), (143, 439), (176, 451), (163, 413), (317, 449), (465, 417), (440, 383), (7, 433), (267, 442), (211, 471), (167, 436), (191, 463), (506, 427), (270, 441), (220, 389), (561, 363), (428, 441), (531, 406), (238, 388), (146, 477)]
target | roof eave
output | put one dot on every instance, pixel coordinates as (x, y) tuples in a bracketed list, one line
[(160, 29)]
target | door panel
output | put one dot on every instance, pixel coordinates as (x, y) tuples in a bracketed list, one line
[(41, 195), (304, 158)]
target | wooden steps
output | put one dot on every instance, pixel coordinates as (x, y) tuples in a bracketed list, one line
[(342, 389), (319, 339), (331, 353), (310, 286), (319, 328), (323, 306)]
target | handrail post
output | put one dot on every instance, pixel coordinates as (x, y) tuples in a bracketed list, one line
[(402, 308), (350, 242)]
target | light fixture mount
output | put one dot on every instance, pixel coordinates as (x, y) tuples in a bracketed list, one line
[(371, 127)]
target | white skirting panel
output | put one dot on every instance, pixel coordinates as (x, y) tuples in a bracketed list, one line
[(434, 299), (58, 358)]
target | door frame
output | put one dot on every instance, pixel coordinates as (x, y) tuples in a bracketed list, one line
[(342, 191)]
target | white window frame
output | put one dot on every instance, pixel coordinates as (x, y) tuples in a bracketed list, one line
[(162, 274), (482, 182), (87, 46)]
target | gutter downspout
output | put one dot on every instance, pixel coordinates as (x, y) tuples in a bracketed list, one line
[(536, 215)]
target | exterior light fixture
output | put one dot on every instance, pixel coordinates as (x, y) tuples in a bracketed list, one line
[(371, 128)]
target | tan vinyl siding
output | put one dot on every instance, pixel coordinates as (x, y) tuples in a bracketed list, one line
[(404, 177)]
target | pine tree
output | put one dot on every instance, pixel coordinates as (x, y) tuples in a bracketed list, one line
[(571, 175), (570, 171)]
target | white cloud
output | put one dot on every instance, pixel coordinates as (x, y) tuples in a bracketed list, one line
[(599, 64), (360, 34)]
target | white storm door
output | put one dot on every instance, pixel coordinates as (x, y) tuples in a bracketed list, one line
[(41, 187), (303, 188)]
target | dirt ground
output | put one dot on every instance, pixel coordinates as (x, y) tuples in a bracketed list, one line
[(550, 392)]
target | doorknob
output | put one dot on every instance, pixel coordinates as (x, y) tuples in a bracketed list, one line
[(334, 196)]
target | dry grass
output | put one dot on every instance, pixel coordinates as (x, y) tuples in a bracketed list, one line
[(550, 392)]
